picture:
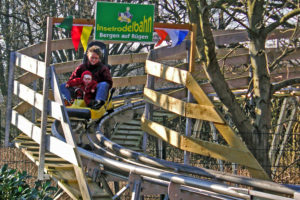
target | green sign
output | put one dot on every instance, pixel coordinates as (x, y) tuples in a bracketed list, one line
[(124, 22)]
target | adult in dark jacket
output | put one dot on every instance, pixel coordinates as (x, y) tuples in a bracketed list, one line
[(100, 73)]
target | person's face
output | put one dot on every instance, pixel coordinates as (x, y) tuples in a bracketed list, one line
[(93, 58), (87, 80)]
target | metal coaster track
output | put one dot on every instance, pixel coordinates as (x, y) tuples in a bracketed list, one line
[(118, 161)]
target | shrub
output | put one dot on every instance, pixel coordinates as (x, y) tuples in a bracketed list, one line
[(13, 185)]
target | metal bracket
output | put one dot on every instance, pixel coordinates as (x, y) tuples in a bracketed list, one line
[(174, 191), (135, 182)]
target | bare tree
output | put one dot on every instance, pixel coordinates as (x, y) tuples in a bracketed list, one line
[(261, 21)]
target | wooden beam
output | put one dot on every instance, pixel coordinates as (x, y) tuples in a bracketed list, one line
[(129, 81), (167, 53), (35, 99), (76, 21), (172, 26), (67, 66), (69, 136), (193, 48), (30, 96), (127, 58), (53, 144), (182, 108), (197, 146), (31, 65), (168, 73), (34, 49), (156, 24), (27, 78), (44, 110), (222, 37), (197, 91), (10, 88), (22, 107)]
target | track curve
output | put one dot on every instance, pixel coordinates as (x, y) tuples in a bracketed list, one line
[(119, 161)]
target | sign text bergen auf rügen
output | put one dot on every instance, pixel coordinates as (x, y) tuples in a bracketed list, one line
[(124, 22)]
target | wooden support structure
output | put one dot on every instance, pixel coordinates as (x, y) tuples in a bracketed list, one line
[(9, 97), (238, 152), (67, 130), (46, 76), (68, 153), (41, 102)]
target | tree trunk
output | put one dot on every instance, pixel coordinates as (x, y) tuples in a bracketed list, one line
[(205, 42), (261, 83), (255, 136)]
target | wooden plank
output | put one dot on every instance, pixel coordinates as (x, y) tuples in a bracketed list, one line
[(30, 96), (63, 44), (167, 53), (64, 151), (234, 36), (53, 159), (28, 143), (76, 21), (178, 76), (27, 78), (64, 67), (34, 49), (126, 142), (166, 72), (228, 52), (197, 91), (9, 97), (169, 103), (203, 112), (128, 127), (182, 108), (172, 26), (228, 38), (129, 81), (134, 122), (67, 130), (127, 58), (197, 146), (125, 137), (22, 107), (230, 136), (63, 174), (31, 65), (193, 48), (129, 132), (48, 155), (35, 99), (272, 54)]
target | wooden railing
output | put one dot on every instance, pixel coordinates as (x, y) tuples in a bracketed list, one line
[(204, 109)]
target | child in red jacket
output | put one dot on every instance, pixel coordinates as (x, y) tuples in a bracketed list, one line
[(84, 87)]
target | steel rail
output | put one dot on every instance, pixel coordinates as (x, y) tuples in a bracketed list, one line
[(145, 170), (256, 183)]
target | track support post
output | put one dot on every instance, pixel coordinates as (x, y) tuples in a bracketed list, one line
[(135, 182)]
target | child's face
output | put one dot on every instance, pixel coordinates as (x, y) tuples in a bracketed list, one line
[(93, 58), (87, 80)]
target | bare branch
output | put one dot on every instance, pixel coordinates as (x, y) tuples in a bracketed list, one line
[(286, 50), (284, 84), (13, 16), (284, 19), (233, 17)]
